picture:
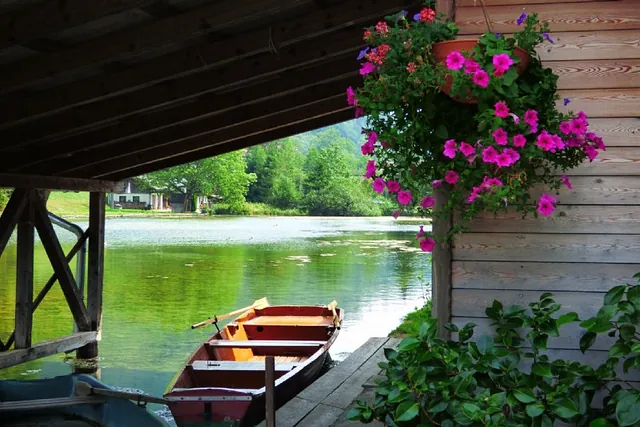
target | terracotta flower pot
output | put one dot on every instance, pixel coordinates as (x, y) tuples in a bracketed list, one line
[(442, 49)]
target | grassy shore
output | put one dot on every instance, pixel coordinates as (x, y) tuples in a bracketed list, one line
[(411, 322)]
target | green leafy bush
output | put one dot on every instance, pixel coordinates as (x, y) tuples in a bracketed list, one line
[(507, 379)]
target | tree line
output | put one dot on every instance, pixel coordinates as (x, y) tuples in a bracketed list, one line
[(316, 173)]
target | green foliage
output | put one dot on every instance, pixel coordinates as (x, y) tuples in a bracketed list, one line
[(412, 322), (4, 197), (506, 379)]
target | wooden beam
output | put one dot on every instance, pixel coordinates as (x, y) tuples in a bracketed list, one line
[(52, 281), (38, 19), (60, 266), (46, 348), (11, 216), (20, 108), (202, 115), (211, 129), (344, 44), (441, 284), (129, 42), (9, 180), (292, 128), (260, 125), (447, 7), (24, 276), (95, 276)]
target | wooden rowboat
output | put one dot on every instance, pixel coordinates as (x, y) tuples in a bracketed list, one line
[(223, 382)]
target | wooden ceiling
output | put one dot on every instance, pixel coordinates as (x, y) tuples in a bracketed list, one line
[(110, 89)]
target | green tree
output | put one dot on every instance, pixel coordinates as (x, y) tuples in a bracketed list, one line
[(224, 176)]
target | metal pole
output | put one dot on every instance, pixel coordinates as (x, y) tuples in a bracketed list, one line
[(270, 392)]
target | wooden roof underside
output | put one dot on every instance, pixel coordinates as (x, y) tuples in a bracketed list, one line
[(110, 89)]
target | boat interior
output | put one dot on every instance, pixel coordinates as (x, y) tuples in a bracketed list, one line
[(235, 358)]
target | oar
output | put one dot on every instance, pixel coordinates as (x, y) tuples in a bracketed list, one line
[(332, 306), (262, 302), (86, 389)]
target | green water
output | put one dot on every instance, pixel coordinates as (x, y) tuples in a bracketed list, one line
[(161, 276)]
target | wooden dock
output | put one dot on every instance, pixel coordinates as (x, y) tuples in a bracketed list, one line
[(326, 402)]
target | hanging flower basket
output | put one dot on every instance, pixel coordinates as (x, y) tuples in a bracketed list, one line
[(442, 50)]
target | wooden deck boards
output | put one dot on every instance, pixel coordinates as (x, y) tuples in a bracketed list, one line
[(326, 401)]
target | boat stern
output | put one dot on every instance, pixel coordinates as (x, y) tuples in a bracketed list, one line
[(208, 406)]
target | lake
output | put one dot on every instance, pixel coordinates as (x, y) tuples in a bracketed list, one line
[(162, 275)]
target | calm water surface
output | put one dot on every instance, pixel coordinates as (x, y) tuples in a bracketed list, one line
[(162, 275)]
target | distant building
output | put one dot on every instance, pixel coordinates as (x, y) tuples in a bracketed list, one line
[(132, 197)]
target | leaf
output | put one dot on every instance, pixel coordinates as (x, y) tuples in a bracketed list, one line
[(485, 344), (600, 422), (439, 407), (567, 318), (628, 410), (629, 363), (408, 413), (619, 349), (462, 382), (498, 400), (614, 295), (535, 409), (470, 410), (587, 341), (633, 295), (442, 132), (524, 395), (409, 343), (542, 369), (565, 408), (354, 414), (606, 313), (390, 354), (451, 327)]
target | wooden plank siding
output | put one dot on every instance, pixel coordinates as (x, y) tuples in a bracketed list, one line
[(591, 242)]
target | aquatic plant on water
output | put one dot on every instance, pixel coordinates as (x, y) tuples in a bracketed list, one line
[(478, 119), (507, 378)]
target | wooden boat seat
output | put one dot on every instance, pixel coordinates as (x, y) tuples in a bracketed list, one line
[(230, 365), (264, 343), (290, 321)]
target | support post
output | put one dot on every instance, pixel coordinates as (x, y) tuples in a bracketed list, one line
[(441, 283), (447, 7), (270, 390), (95, 276), (11, 216), (24, 276)]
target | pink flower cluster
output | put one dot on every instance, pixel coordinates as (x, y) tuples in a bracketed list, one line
[(488, 185)]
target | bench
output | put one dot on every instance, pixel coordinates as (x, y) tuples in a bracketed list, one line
[(264, 343), (230, 365)]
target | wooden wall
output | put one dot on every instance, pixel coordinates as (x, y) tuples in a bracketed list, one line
[(592, 241)]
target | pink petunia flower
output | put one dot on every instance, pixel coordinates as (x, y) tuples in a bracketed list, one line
[(372, 137), (351, 96), (420, 232), (545, 141), (500, 136), (515, 118), (546, 204), (451, 177), (565, 180), (582, 115), (513, 154), (591, 152), (393, 186), (404, 197), (498, 73), (359, 112), (467, 149), (455, 60), (481, 78), (367, 148), (491, 182), (599, 143), (519, 141), (504, 160), (378, 185), (565, 128), (501, 110), (427, 202), (558, 143), (371, 169), (471, 66), (531, 118), (489, 155), (366, 68), (502, 62), (450, 148), (427, 244), (475, 192), (395, 214), (437, 183), (578, 126)]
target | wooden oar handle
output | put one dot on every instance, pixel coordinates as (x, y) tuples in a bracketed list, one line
[(262, 302), (86, 389)]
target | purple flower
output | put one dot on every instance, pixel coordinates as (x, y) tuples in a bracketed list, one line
[(546, 36), (522, 18), (363, 52), (566, 101), (498, 35), (416, 17)]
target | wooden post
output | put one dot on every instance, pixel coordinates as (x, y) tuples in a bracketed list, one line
[(270, 390), (11, 216), (441, 269), (447, 7), (95, 276), (24, 276)]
